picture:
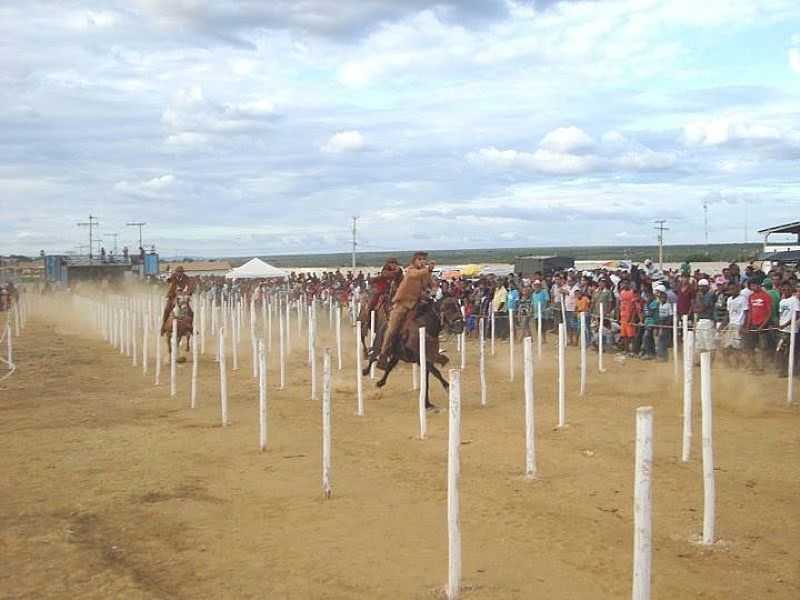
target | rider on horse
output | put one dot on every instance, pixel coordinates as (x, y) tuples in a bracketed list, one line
[(391, 273), (415, 284), (180, 284)]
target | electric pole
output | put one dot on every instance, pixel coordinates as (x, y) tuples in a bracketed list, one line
[(139, 225), (705, 211), (115, 236), (91, 224), (355, 220), (661, 229)]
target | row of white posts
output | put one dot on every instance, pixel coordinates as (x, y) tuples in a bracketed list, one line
[(18, 314), (116, 333)]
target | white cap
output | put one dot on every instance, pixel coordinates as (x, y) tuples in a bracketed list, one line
[(659, 288), (703, 282)]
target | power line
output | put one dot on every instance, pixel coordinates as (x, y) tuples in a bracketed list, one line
[(661, 229), (91, 224), (139, 225)]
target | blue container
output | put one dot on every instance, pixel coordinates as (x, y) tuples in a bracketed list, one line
[(56, 268), (151, 264)]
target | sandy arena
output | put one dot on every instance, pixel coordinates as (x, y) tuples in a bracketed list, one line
[(112, 489)]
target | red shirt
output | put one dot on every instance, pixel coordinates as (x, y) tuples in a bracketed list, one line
[(760, 307)]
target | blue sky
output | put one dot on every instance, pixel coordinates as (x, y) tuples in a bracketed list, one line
[(252, 127)]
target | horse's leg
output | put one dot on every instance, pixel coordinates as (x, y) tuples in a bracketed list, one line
[(428, 404), (438, 374), (392, 364)]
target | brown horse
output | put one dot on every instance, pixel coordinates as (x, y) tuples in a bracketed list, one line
[(184, 316), (381, 319), (435, 317)]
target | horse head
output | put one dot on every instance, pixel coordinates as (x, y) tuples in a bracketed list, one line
[(451, 317)]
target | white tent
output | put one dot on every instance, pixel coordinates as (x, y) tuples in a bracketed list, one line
[(255, 268)]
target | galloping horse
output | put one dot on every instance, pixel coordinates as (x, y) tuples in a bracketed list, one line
[(382, 309), (182, 314), (435, 317)]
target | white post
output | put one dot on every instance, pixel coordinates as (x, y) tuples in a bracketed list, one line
[(173, 344), (253, 340), (145, 344), (134, 341), (265, 335), (123, 325), (288, 326), (674, 342), (493, 329), (269, 325), (359, 383), (709, 491), (642, 504), (511, 344), (792, 342), (195, 366), (223, 379), (562, 402), (453, 475), (235, 336), (326, 424), (203, 310), (688, 351), (282, 345), (158, 354), (482, 364), (600, 339), (583, 353), (16, 319), (339, 336), (262, 396), (312, 341), (309, 334), (9, 345), (464, 339), (530, 448), (414, 377), (423, 384), (539, 329), (372, 340)]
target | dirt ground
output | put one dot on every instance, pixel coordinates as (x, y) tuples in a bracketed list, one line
[(110, 488)]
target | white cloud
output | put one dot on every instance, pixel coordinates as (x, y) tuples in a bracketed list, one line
[(155, 188), (344, 141), (723, 130), (567, 140)]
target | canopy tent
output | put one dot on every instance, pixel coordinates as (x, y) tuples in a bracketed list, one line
[(255, 268)]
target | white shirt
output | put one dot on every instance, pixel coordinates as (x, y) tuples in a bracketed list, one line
[(737, 310), (785, 309), (746, 293)]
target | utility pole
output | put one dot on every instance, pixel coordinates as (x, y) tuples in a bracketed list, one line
[(115, 236), (91, 224), (661, 229), (705, 211), (139, 225), (355, 221)]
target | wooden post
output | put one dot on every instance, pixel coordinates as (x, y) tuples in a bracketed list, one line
[(359, 383), (792, 350), (158, 354), (539, 330), (326, 425), (530, 448), (195, 366), (688, 351), (642, 504), (493, 327), (423, 384), (453, 475), (511, 344), (709, 487), (562, 402), (223, 379), (339, 336), (173, 344), (282, 345), (262, 396), (482, 363), (583, 330), (145, 344)]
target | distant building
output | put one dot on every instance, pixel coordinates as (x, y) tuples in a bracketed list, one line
[(789, 240), (198, 268), (19, 269)]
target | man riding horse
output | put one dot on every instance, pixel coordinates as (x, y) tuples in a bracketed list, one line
[(416, 282), (180, 284)]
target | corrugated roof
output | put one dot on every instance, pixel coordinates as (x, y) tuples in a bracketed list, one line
[(786, 228), (197, 265)]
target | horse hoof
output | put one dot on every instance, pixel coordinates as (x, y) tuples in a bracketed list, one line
[(432, 408), (365, 372), (181, 359), (380, 383)]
